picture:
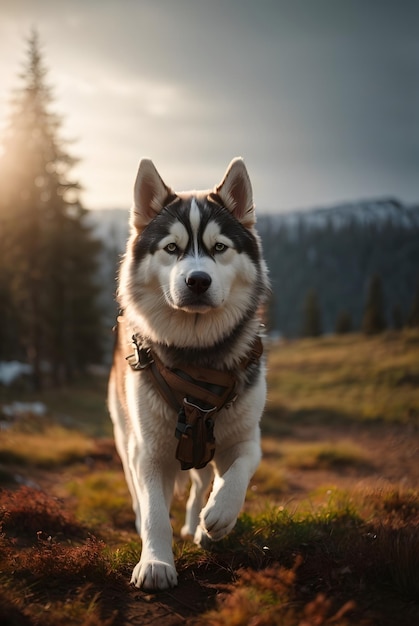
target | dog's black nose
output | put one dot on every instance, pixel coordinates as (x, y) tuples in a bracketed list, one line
[(198, 282)]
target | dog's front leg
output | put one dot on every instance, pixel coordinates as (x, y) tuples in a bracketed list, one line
[(154, 486), (235, 467)]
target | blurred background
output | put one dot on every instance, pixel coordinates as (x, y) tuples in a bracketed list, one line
[(321, 99)]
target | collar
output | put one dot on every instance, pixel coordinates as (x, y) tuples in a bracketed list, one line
[(211, 386)]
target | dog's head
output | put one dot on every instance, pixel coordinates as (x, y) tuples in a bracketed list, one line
[(193, 253)]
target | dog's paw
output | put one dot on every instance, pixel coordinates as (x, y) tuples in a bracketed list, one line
[(154, 575), (202, 539), (186, 532), (217, 523)]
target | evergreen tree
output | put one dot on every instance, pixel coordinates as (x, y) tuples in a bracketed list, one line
[(312, 325), (397, 317), (49, 254), (413, 318), (343, 323), (373, 320)]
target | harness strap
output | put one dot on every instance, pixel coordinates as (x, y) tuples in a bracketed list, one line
[(195, 434), (197, 394), (196, 384)]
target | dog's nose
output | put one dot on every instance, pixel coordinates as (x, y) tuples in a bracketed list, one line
[(198, 282)]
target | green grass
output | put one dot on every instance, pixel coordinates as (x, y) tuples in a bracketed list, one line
[(101, 497), (46, 446), (347, 378), (310, 456)]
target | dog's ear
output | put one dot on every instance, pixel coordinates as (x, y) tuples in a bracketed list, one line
[(150, 195), (235, 191)]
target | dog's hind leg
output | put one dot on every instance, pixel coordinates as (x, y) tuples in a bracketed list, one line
[(201, 481)]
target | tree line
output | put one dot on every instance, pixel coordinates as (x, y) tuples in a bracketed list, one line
[(335, 263), (49, 313), (373, 319)]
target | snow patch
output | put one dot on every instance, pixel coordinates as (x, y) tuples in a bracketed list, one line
[(18, 409), (12, 370)]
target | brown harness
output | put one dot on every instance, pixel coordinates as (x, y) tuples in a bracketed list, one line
[(197, 394)]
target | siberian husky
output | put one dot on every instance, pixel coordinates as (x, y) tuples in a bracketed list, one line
[(191, 287)]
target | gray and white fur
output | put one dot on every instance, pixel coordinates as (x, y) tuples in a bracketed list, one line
[(191, 284)]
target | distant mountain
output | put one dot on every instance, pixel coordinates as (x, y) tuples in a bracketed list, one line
[(333, 251), (364, 212)]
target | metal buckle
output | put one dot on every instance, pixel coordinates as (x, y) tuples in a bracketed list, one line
[(196, 406), (144, 358)]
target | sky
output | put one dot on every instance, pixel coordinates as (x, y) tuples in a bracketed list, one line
[(320, 97)]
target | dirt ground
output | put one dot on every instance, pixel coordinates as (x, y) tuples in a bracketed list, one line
[(392, 454), (393, 460)]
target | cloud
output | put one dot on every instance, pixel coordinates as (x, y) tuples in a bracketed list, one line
[(320, 98)]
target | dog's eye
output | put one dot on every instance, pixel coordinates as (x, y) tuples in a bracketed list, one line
[(171, 248), (220, 247)]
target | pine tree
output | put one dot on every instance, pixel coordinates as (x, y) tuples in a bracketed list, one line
[(397, 317), (373, 320), (343, 323), (49, 255), (413, 317), (312, 325)]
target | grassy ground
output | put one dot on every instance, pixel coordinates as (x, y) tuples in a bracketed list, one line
[(347, 378), (329, 534)]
